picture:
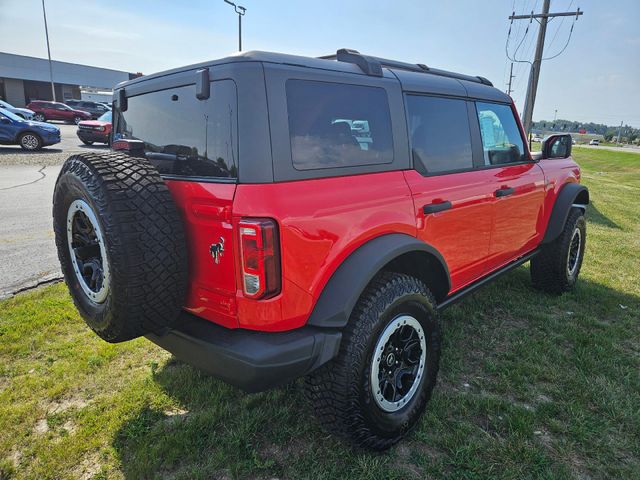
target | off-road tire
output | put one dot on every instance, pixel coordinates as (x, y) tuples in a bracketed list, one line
[(549, 269), (340, 392), (144, 240)]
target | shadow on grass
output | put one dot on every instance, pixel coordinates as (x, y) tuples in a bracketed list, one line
[(216, 431), (596, 216)]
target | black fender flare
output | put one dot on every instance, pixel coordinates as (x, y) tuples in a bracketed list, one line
[(342, 291), (571, 195)]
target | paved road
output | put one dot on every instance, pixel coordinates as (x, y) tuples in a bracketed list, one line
[(615, 149), (27, 249)]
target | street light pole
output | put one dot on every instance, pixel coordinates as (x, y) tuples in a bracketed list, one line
[(240, 10), (46, 32)]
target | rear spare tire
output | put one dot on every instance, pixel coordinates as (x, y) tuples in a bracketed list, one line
[(121, 244)]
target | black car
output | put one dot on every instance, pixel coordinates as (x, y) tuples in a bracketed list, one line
[(96, 109)]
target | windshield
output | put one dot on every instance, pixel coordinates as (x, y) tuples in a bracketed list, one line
[(10, 115), (105, 117)]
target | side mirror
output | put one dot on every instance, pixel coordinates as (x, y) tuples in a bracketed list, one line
[(557, 146)]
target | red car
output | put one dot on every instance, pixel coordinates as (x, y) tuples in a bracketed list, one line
[(269, 217), (45, 110), (90, 131)]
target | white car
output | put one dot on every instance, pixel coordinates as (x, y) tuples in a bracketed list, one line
[(21, 112), (595, 142)]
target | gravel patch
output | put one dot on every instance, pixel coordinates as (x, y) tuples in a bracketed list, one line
[(48, 158)]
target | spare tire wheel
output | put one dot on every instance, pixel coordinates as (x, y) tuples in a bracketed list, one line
[(121, 244)]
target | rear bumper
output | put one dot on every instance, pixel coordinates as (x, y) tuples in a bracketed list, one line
[(252, 361)]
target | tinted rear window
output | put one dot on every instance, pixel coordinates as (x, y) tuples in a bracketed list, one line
[(184, 136), (439, 132), (338, 125)]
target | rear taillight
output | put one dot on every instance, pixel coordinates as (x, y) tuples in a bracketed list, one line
[(260, 257), (128, 145)]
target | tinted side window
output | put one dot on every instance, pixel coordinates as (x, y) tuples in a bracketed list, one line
[(439, 132), (501, 139), (183, 135), (338, 125)]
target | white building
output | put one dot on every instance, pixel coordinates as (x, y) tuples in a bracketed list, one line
[(23, 79)]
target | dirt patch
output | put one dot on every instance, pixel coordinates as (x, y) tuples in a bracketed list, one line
[(60, 406), (41, 427), (88, 468), (282, 454)]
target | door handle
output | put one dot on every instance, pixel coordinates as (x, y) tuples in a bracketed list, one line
[(503, 192), (436, 207)]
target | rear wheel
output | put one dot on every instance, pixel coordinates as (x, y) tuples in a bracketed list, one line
[(77, 119), (375, 390), (556, 268), (120, 243), (30, 141)]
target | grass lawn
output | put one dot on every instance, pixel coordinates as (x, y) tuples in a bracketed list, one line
[(531, 385)]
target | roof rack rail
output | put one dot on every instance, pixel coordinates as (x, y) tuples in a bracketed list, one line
[(373, 66)]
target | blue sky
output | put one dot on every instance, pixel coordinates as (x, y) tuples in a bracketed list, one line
[(596, 79)]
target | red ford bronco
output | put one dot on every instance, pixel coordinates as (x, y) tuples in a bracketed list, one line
[(267, 217)]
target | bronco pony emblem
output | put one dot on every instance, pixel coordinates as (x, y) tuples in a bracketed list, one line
[(216, 250)]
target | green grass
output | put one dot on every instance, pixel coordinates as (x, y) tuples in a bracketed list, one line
[(531, 385)]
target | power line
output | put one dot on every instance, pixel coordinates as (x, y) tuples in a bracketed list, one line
[(534, 75)]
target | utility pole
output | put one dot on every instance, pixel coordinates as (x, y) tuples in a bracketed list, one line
[(240, 11), (555, 115), (511, 77), (534, 73), (46, 32), (619, 134)]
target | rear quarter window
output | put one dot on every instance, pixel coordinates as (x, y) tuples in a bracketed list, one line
[(334, 125), (184, 136)]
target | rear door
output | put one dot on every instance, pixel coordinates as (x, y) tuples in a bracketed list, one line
[(518, 185), (452, 199)]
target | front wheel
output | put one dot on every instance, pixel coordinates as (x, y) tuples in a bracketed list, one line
[(87, 142), (375, 390), (556, 268), (30, 141), (77, 120), (39, 117)]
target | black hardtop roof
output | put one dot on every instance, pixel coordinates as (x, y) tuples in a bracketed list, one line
[(413, 77)]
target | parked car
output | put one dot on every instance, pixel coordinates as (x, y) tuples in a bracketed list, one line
[(24, 113), (594, 141), (30, 135), (90, 131), (243, 228), (537, 139), (45, 110), (96, 109)]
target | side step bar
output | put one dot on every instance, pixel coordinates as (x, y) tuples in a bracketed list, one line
[(460, 294)]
